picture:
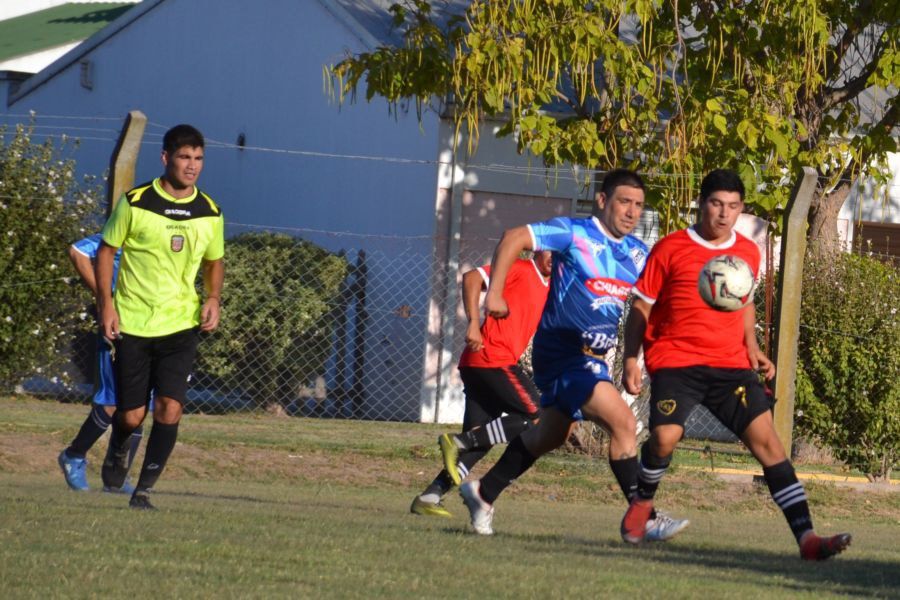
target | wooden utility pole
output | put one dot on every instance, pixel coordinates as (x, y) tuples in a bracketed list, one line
[(124, 158), (787, 321)]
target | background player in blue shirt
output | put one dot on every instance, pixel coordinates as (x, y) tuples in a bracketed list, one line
[(595, 265), (72, 460)]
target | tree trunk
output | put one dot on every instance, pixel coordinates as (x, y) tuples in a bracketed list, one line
[(823, 235)]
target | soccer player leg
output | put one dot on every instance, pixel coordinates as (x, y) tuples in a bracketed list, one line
[(787, 491), (171, 376), (132, 382)]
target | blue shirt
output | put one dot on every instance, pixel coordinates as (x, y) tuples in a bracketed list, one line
[(593, 274), (90, 245)]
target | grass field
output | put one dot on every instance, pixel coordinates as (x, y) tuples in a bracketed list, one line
[(265, 507)]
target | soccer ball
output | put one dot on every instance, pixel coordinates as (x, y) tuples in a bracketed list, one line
[(726, 283)]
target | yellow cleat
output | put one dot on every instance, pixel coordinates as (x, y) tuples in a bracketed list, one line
[(428, 509), (450, 453)]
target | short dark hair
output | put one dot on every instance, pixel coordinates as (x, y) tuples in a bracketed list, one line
[(182, 135), (721, 180), (617, 177)]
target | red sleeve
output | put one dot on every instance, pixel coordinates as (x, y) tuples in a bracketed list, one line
[(650, 283)]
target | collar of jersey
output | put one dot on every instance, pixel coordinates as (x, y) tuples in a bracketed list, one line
[(544, 280), (699, 239), (158, 188), (604, 231)]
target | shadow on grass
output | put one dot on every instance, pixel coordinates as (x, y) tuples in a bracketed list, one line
[(843, 574)]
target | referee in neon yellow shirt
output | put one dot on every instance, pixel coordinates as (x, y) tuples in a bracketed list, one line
[(167, 229)]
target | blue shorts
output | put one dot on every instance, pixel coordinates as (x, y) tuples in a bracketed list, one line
[(567, 383), (105, 380)]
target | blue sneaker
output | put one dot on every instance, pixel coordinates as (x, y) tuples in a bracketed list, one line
[(74, 471), (126, 488)]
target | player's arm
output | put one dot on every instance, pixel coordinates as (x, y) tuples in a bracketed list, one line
[(103, 277), (85, 269), (473, 284), (635, 326), (511, 245), (758, 359), (213, 276)]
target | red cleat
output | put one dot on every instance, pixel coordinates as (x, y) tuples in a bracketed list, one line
[(634, 523), (813, 547)]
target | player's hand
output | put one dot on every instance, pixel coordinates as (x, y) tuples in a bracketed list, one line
[(109, 322), (495, 306), (760, 363), (209, 315), (632, 377), (474, 341)]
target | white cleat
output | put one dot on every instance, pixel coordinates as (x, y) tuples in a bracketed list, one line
[(663, 528), (481, 513)]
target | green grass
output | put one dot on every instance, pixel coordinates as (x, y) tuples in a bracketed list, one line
[(269, 507)]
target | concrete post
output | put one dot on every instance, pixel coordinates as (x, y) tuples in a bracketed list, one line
[(124, 158), (787, 321)]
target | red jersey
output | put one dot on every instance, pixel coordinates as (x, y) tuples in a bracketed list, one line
[(683, 331), (505, 340)]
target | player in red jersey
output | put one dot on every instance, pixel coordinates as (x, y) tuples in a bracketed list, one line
[(501, 399), (697, 355)]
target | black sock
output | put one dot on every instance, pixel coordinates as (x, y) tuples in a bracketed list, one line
[(652, 469), (440, 486), (789, 495), (498, 431), (94, 426), (159, 447), (118, 437), (515, 461), (134, 443), (625, 470)]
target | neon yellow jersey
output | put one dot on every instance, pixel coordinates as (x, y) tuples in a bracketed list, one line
[(163, 241)]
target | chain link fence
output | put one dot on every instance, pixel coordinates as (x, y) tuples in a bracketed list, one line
[(322, 324)]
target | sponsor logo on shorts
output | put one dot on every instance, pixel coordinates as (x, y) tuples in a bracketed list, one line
[(666, 407), (605, 286), (177, 243)]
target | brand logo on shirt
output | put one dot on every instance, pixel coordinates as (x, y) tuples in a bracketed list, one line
[(177, 243), (604, 286), (177, 211)]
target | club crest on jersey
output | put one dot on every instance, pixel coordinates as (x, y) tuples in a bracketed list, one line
[(597, 248), (177, 243), (666, 407), (638, 257), (605, 286)]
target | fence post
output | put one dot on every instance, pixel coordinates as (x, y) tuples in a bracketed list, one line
[(787, 321), (124, 157)]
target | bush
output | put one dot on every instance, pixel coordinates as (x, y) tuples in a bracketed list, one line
[(849, 361), (43, 209), (275, 332)]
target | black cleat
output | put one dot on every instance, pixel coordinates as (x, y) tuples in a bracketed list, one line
[(140, 500)]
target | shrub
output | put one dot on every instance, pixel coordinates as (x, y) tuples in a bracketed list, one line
[(275, 332), (849, 361), (43, 209)]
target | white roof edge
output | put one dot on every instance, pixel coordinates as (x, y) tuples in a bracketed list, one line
[(355, 27), (73, 55)]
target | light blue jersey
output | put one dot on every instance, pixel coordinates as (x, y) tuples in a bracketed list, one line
[(593, 274)]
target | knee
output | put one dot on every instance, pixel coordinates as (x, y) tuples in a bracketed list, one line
[(663, 443), (167, 410), (132, 419)]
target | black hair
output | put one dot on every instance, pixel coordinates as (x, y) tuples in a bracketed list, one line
[(617, 177), (721, 180), (182, 135)]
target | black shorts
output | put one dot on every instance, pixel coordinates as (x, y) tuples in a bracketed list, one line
[(492, 391), (734, 396), (162, 364)]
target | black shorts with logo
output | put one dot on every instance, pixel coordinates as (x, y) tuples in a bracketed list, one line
[(734, 396), (162, 364), (492, 391)]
